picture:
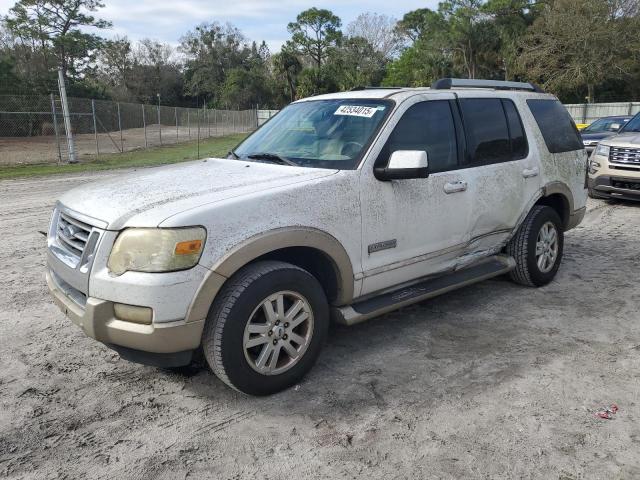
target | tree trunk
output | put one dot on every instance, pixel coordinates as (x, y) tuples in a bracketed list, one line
[(590, 93)]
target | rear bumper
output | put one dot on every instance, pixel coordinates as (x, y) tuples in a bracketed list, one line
[(175, 340), (607, 186)]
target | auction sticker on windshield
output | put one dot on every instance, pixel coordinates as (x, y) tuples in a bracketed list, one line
[(356, 111)]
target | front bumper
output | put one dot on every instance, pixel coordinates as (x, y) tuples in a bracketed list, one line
[(607, 186), (167, 344)]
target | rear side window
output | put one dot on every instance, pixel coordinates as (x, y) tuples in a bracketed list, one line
[(557, 127), (426, 126), (487, 132)]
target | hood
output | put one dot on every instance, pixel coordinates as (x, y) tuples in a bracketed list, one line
[(151, 195), (597, 136), (627, 139)]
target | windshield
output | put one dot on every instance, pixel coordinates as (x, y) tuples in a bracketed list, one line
[(632, 125), (605, 125), (318, 133)]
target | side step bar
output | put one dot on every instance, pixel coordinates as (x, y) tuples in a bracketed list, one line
[(387, 302)]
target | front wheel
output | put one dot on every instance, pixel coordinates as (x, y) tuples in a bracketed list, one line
[(266, 327), (537, 247)]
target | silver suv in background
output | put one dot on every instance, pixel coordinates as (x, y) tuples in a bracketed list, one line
[(342, 207), (614, 166)]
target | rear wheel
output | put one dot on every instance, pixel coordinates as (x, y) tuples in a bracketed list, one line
[(537, 247), (266, 327)]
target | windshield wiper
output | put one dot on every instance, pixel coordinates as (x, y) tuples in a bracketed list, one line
[(272, 157)]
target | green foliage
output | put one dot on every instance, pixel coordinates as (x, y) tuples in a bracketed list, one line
[(57, 29), (577, 44), (315, 33), (9, 81), (573, 47)]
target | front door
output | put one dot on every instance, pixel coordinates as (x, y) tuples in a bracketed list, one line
[(414, 228)]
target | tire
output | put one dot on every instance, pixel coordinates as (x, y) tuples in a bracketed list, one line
[(244, 300), (522, 248)]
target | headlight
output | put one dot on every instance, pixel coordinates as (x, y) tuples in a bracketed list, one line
[(603, 150), (156, 249)]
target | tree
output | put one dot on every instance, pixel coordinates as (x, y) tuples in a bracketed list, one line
[(288, 65), (58, 27), (576, 44), (357, 63), (379, 31), (314, 33), (512, 18), (471, 36), (211, 51), (418, 66), (415, 23), (458, 39)]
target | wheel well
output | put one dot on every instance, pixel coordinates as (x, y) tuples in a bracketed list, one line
[(315, 261), (559, 203)]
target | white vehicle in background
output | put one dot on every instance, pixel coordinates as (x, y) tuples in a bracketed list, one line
[(343, 207)]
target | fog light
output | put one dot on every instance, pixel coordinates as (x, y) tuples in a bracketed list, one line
[(593, 167), (131, 313)]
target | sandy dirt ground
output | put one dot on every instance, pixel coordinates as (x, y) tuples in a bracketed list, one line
[(493, 381)]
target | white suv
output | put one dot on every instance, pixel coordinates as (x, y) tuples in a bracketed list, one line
[(343, 207)]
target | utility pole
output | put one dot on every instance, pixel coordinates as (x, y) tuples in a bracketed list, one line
[(67, 117), (159, 122)]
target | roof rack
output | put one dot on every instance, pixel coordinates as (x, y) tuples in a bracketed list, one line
[(358, 89), (449, 83)]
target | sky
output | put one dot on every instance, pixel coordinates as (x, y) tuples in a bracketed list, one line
[(168, 20)]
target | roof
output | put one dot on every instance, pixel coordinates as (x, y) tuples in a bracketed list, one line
[(400, 93)]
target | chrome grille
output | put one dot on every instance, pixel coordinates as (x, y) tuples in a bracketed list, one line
[(626, 156), (72, 234)]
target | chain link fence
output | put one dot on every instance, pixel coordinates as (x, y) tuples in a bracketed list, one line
[(32, 128)]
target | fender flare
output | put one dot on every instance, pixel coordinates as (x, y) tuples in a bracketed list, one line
[(267, 242)]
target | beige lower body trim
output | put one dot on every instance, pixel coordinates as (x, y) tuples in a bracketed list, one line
[(98, 321), (576, 218)]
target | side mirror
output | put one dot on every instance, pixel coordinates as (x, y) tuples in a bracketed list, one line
[(403, 165)]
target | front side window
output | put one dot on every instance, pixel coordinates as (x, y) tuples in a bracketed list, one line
[(426, 126), (318, 133), (556, 125), (487, 132)]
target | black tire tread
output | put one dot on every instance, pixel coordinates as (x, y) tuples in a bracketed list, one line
[(222, 306), (517, 248)]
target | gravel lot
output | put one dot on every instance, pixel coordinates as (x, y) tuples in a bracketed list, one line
[(493, 381)]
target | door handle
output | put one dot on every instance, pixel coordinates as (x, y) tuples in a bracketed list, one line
[(530, 172), (453, 187)]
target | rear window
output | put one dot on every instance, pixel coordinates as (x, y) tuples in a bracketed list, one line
[(557, 127)]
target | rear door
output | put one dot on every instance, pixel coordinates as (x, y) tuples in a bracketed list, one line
[(502, 166)]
